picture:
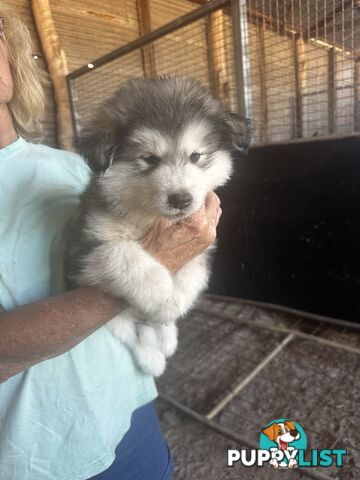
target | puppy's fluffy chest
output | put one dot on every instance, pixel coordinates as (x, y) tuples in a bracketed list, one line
[(107, 227)]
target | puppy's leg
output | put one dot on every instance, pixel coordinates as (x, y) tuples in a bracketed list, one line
[(143, 341), (193, 278), (189, 281), (123, 327), (167, 336), (146, 350), (124, 269)]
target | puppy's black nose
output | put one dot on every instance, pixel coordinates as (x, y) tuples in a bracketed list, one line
[(180, 200), (293, 433)]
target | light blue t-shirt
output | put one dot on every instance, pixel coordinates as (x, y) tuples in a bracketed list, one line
[(63, 418)]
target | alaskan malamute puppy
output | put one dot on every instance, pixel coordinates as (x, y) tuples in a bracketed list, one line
[(156, 149)]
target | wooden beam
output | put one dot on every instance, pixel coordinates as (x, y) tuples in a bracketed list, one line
[(217, 52), (147, 51), (199, 2), (58, 69), (76, 10), (210, 56), (331, 91)]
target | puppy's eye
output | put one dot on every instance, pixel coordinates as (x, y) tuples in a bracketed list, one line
[(152, 160), (195, 156)]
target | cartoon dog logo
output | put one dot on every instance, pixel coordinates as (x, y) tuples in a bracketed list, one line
[(283, 434)]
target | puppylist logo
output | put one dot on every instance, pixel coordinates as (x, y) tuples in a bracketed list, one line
[(283, 445), (284, 439)]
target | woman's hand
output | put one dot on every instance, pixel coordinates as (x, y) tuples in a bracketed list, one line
[(175, 244)]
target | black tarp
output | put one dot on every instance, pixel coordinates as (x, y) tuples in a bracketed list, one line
[(290, 230)]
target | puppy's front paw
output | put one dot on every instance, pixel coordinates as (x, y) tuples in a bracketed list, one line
[(168, 339), (123, 327), (171, 309), (150, 360), (153, 291)]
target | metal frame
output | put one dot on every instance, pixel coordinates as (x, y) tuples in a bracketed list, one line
[(291, 332), (241, 440), (289, 311), (238, 10)]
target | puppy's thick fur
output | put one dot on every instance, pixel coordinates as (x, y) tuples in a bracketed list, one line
[(156, 149)]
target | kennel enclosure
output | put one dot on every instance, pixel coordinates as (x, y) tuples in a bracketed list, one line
[(291, 66)]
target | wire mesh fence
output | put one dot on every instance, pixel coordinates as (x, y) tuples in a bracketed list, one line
[(293, 66), (304, 67)]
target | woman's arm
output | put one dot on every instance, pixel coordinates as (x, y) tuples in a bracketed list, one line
[(50, 327)]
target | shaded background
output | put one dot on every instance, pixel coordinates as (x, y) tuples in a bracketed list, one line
[(290, 229)]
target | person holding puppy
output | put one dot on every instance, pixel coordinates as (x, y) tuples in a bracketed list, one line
[(60, 416)]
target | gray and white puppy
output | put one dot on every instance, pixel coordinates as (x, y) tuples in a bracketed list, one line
[(156, 149)]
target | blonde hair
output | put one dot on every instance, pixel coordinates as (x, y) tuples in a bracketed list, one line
[(28, 103)]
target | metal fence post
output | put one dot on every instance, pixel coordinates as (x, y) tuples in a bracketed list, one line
[(240, 37)]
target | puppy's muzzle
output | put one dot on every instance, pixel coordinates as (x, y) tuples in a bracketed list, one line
[(180, 200)]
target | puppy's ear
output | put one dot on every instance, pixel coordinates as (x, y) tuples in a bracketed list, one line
[(271, 431), (241, 131), (97, 148)]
